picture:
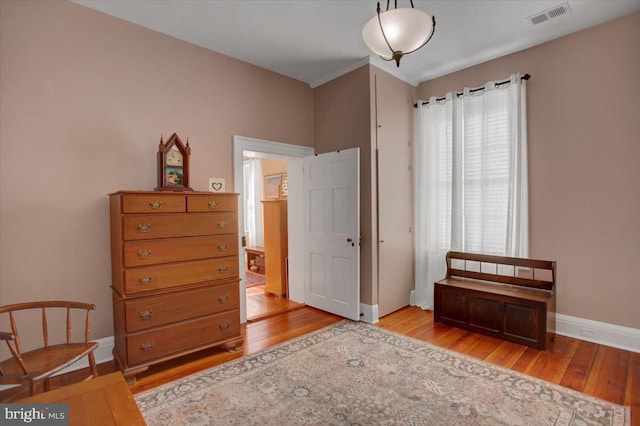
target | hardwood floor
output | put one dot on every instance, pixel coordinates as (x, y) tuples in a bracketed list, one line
[(261, 305), (605, 372)]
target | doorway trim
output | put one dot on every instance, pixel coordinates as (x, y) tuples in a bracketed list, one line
[(241, 144)]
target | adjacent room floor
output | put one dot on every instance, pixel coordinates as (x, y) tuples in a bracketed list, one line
[(261, 305)]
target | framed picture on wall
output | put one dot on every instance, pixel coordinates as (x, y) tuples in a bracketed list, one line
[(272, 186)]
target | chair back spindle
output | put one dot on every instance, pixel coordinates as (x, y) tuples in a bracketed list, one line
[(45, 329), (36, 365), (86, 328), (68, 325), (14, 330)]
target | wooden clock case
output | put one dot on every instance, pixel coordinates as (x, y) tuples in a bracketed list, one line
[(163, 164)]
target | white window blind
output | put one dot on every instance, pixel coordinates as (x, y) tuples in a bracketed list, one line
[(487, 173)]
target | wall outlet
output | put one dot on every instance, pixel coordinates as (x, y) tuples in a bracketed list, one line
[(587, 332)]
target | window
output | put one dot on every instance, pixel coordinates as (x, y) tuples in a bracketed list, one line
[(471, 177)]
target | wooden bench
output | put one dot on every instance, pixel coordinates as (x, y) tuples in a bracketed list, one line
[(505, 297)]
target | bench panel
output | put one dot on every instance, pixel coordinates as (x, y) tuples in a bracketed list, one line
[(454, 308), (523, 322), (486, 315)]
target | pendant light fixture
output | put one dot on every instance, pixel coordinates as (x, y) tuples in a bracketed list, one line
[(398, 32)]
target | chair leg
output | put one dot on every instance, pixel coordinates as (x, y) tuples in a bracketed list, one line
[(32, 387), (92, 364)]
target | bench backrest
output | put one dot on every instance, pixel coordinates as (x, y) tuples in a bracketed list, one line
[(539, 274)]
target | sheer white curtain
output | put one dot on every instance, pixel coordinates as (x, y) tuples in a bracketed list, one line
[(471, 179), (252, 169)]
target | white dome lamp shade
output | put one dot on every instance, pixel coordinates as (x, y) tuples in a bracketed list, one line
[(397, 32)]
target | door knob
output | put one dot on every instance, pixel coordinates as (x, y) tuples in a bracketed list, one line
[(350, 240)]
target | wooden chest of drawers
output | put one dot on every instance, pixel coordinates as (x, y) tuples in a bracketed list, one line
[(175, 275)]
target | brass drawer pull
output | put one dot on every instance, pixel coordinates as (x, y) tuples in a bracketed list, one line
[(213, 204), (147, 346), (223, 269), (223, 298), (146, 315), (223, 224), (225, 325), (145, 280), (155, 204), (144, 227), (144, 254), (223, 247)]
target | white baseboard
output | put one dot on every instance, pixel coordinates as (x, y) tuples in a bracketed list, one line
[(104, 353), (602, 333), (369, 313)]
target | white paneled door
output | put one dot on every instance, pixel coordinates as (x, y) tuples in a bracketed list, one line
[(332, 227)]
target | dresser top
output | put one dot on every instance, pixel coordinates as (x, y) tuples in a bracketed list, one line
[(166, 193)]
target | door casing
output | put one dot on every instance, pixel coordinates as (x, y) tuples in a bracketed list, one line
[(294, 171)]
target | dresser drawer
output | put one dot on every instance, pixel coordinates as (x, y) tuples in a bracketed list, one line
[(152, 203), (154, 311), (152, 252), (181, 337), (146, 227), (212, 203), (162, 277)]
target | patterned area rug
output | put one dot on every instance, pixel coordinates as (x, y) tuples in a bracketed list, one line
[(352, 373), (254, 279)]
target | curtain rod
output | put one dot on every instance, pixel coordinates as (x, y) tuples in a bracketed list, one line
[(477, 89)]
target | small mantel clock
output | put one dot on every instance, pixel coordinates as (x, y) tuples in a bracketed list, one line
[(173, 165)]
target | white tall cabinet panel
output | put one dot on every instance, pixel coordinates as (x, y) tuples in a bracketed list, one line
[(394, 112)]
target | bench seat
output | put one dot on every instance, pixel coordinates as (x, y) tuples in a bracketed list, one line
[(496, 288)]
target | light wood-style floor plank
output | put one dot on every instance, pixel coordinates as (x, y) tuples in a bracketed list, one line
[(575, 376), (475, 345), (505, 354), (552, 364), (632, 390), (609, 373), (261, 305)]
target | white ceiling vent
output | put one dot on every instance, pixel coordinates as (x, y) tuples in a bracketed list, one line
[(552, 13)]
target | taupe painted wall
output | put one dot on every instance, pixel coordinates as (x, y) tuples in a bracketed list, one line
[(583, 105), (85, 98)]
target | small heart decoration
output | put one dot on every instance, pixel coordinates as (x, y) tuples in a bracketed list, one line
[(217, 186)]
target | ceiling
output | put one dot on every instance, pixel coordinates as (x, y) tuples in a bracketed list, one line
[(317, 40)]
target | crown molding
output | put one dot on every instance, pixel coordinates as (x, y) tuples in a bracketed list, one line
[(391, 68), (371, 60), (339, 73)]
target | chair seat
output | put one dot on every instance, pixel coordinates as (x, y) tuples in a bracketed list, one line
[(44, 362)]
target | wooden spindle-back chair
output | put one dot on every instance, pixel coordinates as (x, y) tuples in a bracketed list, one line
[(38, 365)]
